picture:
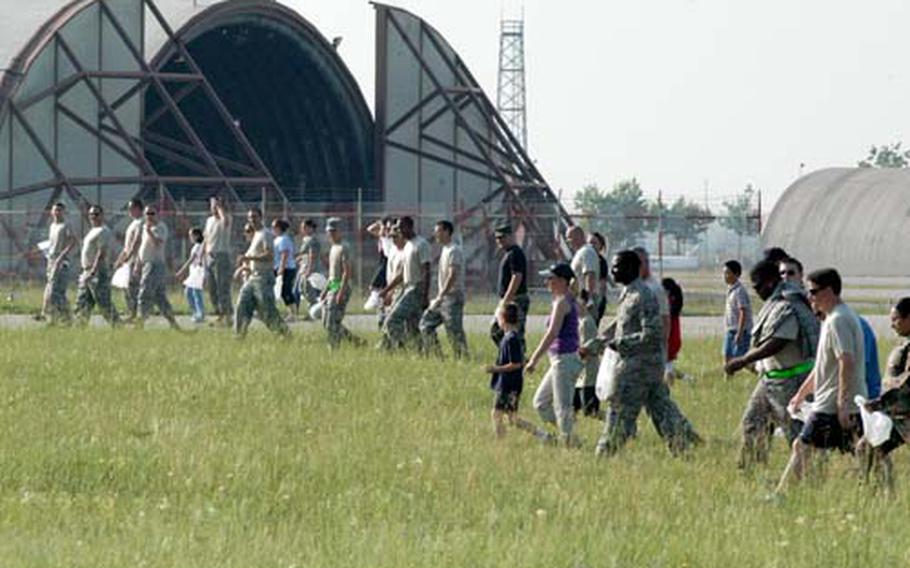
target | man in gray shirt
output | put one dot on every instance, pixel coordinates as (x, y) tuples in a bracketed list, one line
[(448, 306), (838, 377), (217, 252), (257, 294), (129, 256), (153, 284), (62, 242), (95, 280)]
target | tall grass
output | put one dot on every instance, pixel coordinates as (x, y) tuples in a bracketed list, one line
[(156, 449)]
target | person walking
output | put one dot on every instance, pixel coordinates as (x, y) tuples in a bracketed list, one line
[(152, 284), (448, 305), (585, 264), (130, 256), (513, 281), (285, 265), (219, 266), (337, 291), (737, 313), (585, 399), (637, 338), (257, 295), (95, 280), (56, 307), (663, 303), (599, 242), (555, 394), (784, 343), (308, 263), (401, 325), (838, 377), (194, 263)]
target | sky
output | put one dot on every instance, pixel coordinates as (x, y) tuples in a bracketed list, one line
[(681, 94)]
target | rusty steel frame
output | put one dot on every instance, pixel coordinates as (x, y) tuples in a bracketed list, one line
[(495, 154), (133, 149)]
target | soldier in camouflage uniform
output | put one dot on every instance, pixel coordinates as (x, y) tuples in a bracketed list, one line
[(784, 341), (153, 284), (448, 306), (95, 280), (62, 241), (129, 256), (401, 326), (217, 252), (257, 295), (636, 335), (308, 262), (337, 291)]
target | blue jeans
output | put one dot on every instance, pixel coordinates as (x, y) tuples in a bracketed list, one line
[(733, 349), (194, 298)]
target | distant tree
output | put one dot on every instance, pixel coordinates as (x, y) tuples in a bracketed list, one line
[(683, 221), (620, 214), (739, 216), (887, 156)]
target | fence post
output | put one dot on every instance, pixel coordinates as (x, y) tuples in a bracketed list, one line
[(359, 232)]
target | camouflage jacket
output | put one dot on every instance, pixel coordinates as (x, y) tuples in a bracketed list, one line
[(636, 332), (787, 300)]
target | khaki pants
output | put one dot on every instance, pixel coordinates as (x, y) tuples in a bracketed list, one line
[(554, 396)]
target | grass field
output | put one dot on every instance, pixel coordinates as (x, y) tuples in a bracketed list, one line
[(157, 449)]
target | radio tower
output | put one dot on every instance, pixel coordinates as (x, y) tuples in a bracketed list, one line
[(510, 95)]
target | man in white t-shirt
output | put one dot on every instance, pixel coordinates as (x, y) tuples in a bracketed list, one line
[(257, 295), (153, 283), (401, 325), (95, 280), (217, 252), (585, 265), (129, 256), (838, 377), (62, 242), (448, 305)]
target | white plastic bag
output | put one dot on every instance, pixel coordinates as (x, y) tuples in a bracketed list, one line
[(606, 375), (876, 425), (279, 284), (373, 302), (317, 281), (121, 277), (316, 311), (195, 278)]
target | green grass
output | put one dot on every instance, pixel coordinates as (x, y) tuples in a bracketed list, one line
[(157, 449)]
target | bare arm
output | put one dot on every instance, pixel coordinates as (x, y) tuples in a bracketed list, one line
[(741, 323), (375, 228), (807, 388), (846, 367), (512, 290), (282, 262), (99, 257), (767, 349), (557, 314), (590, 283)]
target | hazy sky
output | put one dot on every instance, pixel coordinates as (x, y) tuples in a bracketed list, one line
[(678, 92)]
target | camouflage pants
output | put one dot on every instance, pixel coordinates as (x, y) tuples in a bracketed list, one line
[(767, 405), (153, 290), (401, 324), (257, 295), (554, 396), (131, 292), (645, 390), (333, 316), (218, 275), (95, 291), (305, 290), (496, 333), (451, 314), (58, 307)]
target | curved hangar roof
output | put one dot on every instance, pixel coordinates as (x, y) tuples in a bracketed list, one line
[(285, 84), (853, 219)]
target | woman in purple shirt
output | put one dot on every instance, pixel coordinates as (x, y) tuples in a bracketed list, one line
[(553, 399)]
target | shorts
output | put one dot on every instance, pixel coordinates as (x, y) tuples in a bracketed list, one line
[(824, 431), (733, 349), (506, 401)]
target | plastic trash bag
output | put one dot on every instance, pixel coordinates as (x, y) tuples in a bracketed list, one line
[(317, 281), (279, 284), (876, 425), (606, 375), (121, 277), (374, 302), (316, 311)]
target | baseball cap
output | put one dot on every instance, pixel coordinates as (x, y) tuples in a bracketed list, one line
[(559, 270)]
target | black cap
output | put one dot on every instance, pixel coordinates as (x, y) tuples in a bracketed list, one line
[(560, 270), (502, 229)]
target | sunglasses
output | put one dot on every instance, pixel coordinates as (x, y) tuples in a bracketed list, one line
[(94, 214), (815, 291), (790, 272), (150, 213)]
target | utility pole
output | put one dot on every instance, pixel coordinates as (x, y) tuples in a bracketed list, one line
[(510, 93)]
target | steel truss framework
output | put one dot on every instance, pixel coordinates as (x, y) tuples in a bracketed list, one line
[(519, 193), (510, 93), (215, 173)]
